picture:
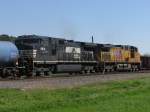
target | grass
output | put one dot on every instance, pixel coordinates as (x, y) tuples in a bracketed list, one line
[(121, 96)]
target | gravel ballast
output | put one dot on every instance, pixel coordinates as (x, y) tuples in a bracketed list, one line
[(68, 82)]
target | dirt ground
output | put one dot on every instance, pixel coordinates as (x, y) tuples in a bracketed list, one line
[(68, 82)]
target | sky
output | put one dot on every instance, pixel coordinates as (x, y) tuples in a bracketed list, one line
[(108, 21)]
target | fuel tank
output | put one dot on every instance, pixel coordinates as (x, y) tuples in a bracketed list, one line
[(8, 54)]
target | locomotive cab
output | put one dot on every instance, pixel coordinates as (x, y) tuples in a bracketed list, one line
[(27, 50)]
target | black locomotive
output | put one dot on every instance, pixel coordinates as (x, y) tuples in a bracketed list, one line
[(42, 55)]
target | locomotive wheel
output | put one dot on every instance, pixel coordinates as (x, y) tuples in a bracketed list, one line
[(37, 73), (112, 70), (85, 71), (91, 71), (4, 73), (70, 73), (53, 69), (1, 73), (82, 72), (46, 73), (29, 74)]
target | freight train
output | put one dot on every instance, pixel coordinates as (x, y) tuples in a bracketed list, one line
[(40, 55)]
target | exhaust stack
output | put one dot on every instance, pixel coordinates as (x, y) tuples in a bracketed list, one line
[(92, 39)]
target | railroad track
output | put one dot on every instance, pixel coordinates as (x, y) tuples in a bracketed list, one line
[(23, 78), (71, 75), (68, 81)]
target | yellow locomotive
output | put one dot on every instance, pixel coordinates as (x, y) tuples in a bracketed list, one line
[(119, 57)]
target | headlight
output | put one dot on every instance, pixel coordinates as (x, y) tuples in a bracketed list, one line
[(17, 63)]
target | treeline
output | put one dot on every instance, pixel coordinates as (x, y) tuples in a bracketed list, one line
[(7, 38)]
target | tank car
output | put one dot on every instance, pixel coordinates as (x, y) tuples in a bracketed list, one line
[(8, 58)]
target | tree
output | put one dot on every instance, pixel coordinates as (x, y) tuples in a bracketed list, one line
[(5, 37)]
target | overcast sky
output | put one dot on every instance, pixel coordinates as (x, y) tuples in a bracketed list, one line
[(109, 21)]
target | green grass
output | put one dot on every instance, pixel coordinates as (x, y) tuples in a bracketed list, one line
[(122, 96)]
